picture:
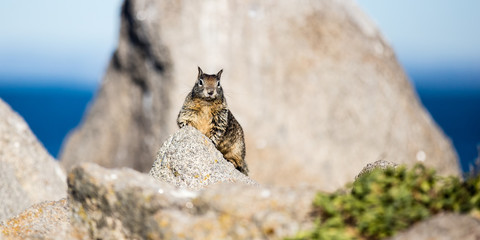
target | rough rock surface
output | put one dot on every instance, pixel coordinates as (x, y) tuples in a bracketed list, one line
[(313, 83), (443, 227), (28, 174), (125, 204), (380, 164), (46, 220), (188, 159)]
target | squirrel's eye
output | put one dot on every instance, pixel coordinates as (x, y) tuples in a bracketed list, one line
[(200, 82), (218, 84)]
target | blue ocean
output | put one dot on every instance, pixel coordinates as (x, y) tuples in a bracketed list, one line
[(52, 111)]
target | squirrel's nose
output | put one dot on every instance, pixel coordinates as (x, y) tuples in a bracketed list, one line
[(210, 92)]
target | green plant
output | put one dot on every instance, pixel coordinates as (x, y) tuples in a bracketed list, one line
[(383, 202)]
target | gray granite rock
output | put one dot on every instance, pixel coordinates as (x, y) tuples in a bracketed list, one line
[(313, 83), (46, 220), (446, 226), (28, 174), (474, 168), (189, 159), (379, 164), (13, 197), (125, 204)]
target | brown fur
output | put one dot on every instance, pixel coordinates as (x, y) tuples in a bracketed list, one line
[(205, 108)]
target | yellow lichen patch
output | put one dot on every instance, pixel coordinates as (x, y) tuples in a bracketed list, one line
[(274, 203), (206, 177), (153, 235), (475, 213), (81, 213), (110, 196), (225, 221), (216, 160), (163, 223), (181, 235), (148, 198), (20, 224)]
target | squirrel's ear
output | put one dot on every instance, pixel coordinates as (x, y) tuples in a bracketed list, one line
[(219, 74), (200, 72)]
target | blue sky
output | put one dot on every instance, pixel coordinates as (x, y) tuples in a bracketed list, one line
[(429, 32), (55, 39), (73, 40)]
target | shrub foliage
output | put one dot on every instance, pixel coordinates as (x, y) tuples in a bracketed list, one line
[(383, 202)]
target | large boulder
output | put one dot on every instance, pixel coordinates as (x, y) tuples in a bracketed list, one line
[(188, 159), (126, 204), (28, 174), (317, 89)]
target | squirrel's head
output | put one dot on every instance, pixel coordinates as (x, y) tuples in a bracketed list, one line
[(208, 86)]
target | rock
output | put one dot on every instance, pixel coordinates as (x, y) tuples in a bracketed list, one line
[(46, 220), (380, 164), (127, 124), (188, 159), (313, 84), (125, 204), (14, 199), (474, 168), (443, 227), (28, 173)]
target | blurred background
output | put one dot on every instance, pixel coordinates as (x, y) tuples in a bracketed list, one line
[(53, 55)]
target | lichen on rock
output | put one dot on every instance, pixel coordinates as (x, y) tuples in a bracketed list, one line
[(46, 220), (125, 204)]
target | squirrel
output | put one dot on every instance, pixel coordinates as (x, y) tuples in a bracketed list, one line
[(205, 108)]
